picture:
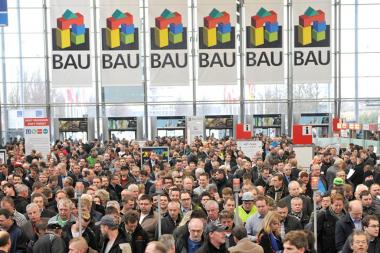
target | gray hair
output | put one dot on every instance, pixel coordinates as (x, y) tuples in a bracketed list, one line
[(21, 188), (32, 205), (168, 241), (211, 203)]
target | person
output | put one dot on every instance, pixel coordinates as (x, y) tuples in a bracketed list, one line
[(133, 232), (248, 208), (359, 243), (288, 222), (155, 247), (148, 218), (168, 241), (171, 220), (348, 223), (64, 213), (5, 242), (8, 203), (243, 243), (112, 236), (50, 241), (371, 229), (295, 191), (326, 224), (295, 242), (29, 228), (269, 235), (254, 222), (79, 245), (40, 199), (298, 212), (212, 209), (278, 189), (215, 239), (191, 241), (18, 237)]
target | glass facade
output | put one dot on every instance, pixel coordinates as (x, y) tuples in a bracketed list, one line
[(26, 88)]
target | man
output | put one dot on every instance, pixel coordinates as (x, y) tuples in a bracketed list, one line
[(40, 200), (212, 209), (79, 245), (156, 247), (255, 221), (367, 202), (295, 191), (170, 221), (191, 241), (5, 242), (288, 222), (148, 218), (247, 209), (112, 236), (359, 242), (169, 242), (215, 241), (186, 203), (296, 242), (327, 222), (64, 213), (348, 223), (18, 238), (50, 241), (7, 203), (297, 211), (278, 190), (243, 243), (263, 180), (134, 233), (227, 220), (34, 215), (203, 181), (371, 229)]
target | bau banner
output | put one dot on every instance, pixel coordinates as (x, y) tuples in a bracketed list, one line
[(264, 41), (120, 59), (70, 36), (37, 135), (217, 42), (312, 43), (169, 43)]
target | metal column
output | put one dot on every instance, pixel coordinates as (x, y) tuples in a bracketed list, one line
[(242, 62), (339, 59), (47, 71), (356, 60), (290, 67), (4, 98), (145, 72), (97, 86), (193, 51), (335, 59), (21, 64)]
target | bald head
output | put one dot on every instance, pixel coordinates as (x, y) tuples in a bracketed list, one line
[(196, 227), (355, 208), (78, 244), (294, 188)]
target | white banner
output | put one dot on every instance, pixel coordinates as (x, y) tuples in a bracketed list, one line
[(70, 36), (120, 27), (217, 42), (169, 42), (37, 135), (312, 41), (250, 148), (195, 126), (264, 23)]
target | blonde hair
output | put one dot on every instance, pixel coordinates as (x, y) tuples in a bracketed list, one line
[(103, 195), (269, 218)]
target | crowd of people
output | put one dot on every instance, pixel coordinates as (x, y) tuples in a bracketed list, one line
[(101, 197)]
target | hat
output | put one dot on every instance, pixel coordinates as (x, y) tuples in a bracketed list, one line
[(108, 221), (247, 196), (338, 181), (53, 226), (213, 227)]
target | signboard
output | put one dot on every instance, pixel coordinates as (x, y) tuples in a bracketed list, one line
[(70, 38), (37, 135), (243, 131), (195, 127), (122, 123), (73, 125), (302, 134), (219, 122), (160, 151), (250, 148), (3, 12), (3, 156)]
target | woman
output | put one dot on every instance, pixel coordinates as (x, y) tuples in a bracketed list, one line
[(269, 235)]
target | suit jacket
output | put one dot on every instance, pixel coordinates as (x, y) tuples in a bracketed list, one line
[(246, 246), (291, 223), (307, 204), (343, 229)]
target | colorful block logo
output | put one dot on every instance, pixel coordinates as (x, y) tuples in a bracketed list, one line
[(312, 30), (169, 32), (71, 33), (217, 32), (265, 31), (121, 33), (3, 12)]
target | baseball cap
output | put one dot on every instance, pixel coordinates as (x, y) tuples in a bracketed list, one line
[(213, 227), (53, 226), (247, 196), (107, 220), (338, 181)]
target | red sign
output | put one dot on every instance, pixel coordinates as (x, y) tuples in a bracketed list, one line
[(243, 131), (36, 122), (302, 134)]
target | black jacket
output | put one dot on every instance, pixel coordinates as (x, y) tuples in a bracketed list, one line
[(207, 247), (167, 225), (326, 232), (88, 234), (260, 182), (46, 213), (373, 246), (264, 241), (343, 229), (18, 239), (307, 204), (138, 240), (50, 243), (283, 192), (291, 223), (115, 247), (358, 176)]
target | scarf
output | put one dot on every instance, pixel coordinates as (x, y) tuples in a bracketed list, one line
[(274, 242), (338, 216)]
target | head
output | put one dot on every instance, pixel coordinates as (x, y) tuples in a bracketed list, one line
[(156, 247), (294, 188), (239, 232), (366, 198), (185, 199), (337, 203), (6, 220), (359, 242), (173, 210), (282, 210), (212, 208), (271, 223), (248, 201), (78, 245), (355, 209), (296, 205), (227, 219), (375, 190), (169, 242), (5, 241), (229, 205), (262, 205), (131, 220), (371, 226), (196, 227), (145, 204), (295, 242), (34, 212), (215, 234), (64, 209), (277, 181), (108, 225)]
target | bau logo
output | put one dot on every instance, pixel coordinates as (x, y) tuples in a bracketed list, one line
[(169, 32), (265, 31), (120, 33), (312, 30), (71, 33), (217, 32)]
